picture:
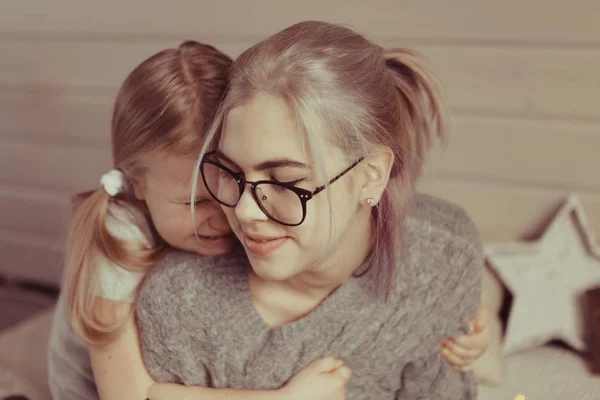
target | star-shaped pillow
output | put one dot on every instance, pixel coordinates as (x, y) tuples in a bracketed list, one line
[(548, 279)]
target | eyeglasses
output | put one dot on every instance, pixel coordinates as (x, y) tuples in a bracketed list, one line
[(282, 202)]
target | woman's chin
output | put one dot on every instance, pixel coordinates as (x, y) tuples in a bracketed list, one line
[(269, 271)]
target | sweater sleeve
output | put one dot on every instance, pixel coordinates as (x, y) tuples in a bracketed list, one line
[(431, 377)]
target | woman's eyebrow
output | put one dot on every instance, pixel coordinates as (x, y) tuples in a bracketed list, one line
[(269, 164), (278, 163)]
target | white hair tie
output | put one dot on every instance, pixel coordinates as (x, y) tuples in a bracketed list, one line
[(113, 182)]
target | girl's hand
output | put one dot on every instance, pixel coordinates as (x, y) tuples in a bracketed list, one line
[(462, 351), (324, 379)]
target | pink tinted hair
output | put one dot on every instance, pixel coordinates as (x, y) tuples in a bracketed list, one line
[(335, 81)]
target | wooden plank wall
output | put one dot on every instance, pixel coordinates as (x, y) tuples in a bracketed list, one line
[(522, 79)]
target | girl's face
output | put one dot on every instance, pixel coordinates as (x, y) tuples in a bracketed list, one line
[(260, 141), (165, 187)]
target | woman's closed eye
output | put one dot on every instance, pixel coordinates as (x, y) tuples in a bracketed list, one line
[(288, 182)]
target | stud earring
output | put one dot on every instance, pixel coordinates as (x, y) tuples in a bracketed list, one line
[(369, 201)]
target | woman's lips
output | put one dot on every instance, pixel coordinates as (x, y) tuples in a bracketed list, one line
[(263, 246)]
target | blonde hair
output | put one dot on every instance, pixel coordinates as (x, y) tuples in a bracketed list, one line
[(164, 105), (343, 88)]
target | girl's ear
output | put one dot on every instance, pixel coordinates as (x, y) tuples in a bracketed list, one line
[(139, 188), (377, 174)]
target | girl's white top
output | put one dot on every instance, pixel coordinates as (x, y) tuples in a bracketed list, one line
[(70, 374)]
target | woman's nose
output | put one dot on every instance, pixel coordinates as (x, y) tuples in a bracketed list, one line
[(247, 210)]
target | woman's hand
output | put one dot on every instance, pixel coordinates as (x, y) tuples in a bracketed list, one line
[(462, 351), (324, 379)]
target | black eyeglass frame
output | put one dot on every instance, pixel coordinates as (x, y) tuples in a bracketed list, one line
[(303, 194)]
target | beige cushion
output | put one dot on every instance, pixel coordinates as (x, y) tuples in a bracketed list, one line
[(489, 368)]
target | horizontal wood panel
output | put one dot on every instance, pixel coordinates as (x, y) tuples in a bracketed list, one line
[(537, 20), (27, 257), (53, 67), (561, 83), (539, 152), (525, 81), (46, 114), (66, 169), (507, 213), (34, 212), (29, 261)]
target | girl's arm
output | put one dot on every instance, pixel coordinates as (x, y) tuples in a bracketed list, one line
[(118, 367), (462, 351), (119, 370)]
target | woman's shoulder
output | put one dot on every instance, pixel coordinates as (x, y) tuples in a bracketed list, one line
[(442, 244), (430, 218), (445, 263)]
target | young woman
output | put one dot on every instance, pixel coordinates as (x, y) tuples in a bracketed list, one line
[(314, 156), (141, 210)]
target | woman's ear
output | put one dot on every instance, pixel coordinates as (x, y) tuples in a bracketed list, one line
[(378, 167)]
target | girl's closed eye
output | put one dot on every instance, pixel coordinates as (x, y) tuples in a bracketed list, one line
[(198, 202)]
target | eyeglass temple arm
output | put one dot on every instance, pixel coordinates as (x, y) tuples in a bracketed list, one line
[(335, 178)]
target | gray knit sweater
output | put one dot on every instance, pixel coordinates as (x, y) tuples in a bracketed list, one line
[(199, 327)]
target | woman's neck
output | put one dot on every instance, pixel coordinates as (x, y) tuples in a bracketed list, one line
[(350, 253), (280, 302)]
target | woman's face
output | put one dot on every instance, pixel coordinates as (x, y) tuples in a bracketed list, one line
[(165, 187), (261, 141)]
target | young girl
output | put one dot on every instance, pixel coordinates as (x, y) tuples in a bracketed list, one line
[(142, 209), (340, 259)]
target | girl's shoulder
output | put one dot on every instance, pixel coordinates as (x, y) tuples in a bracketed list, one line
[(115, 281), (127, 222)]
